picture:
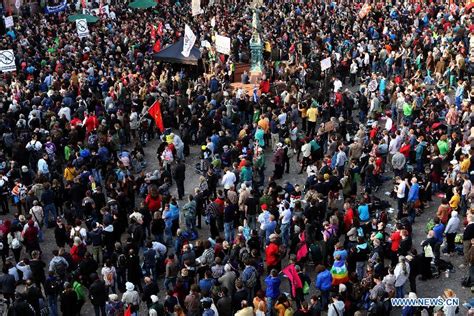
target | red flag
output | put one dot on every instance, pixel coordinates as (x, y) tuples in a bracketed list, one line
[(101, 8), (155, 112), (157, 46), (292, 275), (153, 32), (128, 311), (83, 2), (160, 29)]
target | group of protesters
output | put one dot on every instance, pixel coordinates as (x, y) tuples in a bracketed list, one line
[(132, 237)]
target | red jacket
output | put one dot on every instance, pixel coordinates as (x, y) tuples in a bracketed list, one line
[(153, 204), (272, 253)]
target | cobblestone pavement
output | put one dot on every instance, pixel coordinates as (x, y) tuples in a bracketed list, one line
[(430, 288)]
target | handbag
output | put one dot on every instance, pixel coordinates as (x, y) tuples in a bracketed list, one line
[(428, 251)]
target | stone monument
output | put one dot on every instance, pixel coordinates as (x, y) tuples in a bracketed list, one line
[(256, 47)]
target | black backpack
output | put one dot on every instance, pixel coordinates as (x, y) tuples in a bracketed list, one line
[(122, 261), (81, 251)]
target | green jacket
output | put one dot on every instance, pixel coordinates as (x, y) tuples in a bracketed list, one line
[(80, 290)]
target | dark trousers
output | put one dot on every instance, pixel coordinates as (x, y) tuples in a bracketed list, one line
[(99, 310), (214, 229), (450, 241), (4, 203), (180, 187)]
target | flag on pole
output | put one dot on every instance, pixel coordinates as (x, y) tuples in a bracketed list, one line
[(157, 46), (83, 3), (159, 29), (153, 32), (128, 311), (155, 112), (101, 8)]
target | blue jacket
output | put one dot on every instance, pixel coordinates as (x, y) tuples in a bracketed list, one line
[(273, 287), (413, 193), (363, 212), (324, 280), (438, 232)]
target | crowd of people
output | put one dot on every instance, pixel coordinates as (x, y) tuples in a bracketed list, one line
[(395, 109)]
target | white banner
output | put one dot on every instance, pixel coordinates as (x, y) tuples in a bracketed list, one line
[(82, 28), (18, 4), (205, 44), (196, 7), (7, 60), (105, 10), (325, 64), (188, 42), (213, 21), (223, 44), (9, 21)]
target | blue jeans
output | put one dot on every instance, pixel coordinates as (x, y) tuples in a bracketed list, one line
[(168, 282), (285, 233), (270, 303), (400, 291), (229, 231), (360, 269), (53, 305), (190, 223), (252, 221)]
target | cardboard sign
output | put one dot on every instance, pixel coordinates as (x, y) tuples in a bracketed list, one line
[(325, 64), (7, 60), (196, 7), (82, 28), (9, 22), (223, 44)]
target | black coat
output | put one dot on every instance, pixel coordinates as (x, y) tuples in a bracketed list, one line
[(148, 291), (98, 293), (68, 303)]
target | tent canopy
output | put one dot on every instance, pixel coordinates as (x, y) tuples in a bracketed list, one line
[(89, 18), (172, 54), (142, 4)]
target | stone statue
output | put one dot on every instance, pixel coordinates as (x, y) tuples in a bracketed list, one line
[(256, 61)]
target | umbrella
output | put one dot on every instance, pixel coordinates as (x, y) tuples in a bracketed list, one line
[(87, 17), (142, 4)]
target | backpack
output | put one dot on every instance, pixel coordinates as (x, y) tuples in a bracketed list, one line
[(60, 269), (252, 278), (109, 278), (121, 261), (81, 251)]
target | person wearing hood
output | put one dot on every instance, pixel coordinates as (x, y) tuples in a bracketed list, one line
[(113, 306), (156, 308), (323, 283), (131, 298), (451, 230), (336, 308)]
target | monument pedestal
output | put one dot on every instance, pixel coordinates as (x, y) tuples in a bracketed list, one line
[(255, 77)]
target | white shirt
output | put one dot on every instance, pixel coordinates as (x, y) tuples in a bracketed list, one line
[(401, 190), (228, 179), (306, 150), (388, 124), (337, 85), (285, 216), (66, 111), (34, 145), (393, 146)]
